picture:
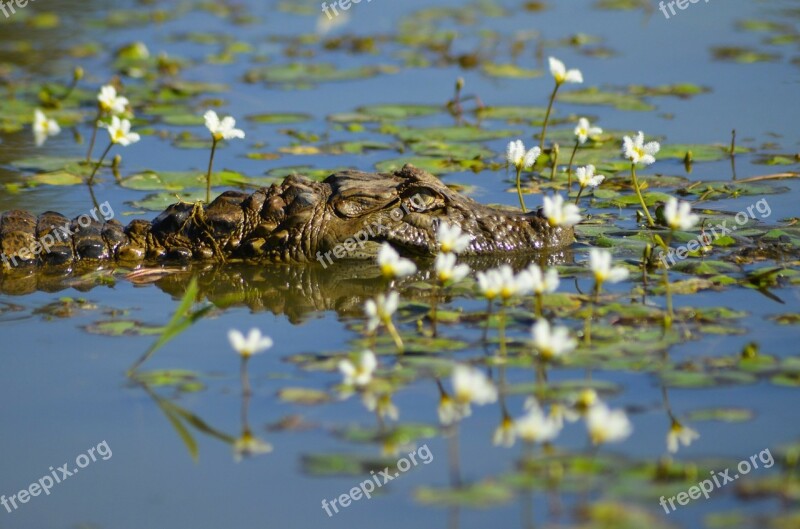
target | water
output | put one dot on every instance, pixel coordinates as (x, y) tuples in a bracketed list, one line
[(65, 387)]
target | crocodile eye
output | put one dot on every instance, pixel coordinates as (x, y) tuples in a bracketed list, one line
[(422, 199)]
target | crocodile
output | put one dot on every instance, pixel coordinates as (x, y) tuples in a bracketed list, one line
[(346, 216)]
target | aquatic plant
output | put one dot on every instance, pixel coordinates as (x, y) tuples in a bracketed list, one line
[(119, 132), (220, 129), (637, 151), (561, 75), (583, 131), (520, 159)]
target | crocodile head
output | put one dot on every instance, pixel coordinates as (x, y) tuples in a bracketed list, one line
[(350, 214)]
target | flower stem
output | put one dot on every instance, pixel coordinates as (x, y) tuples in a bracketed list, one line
[(434, 310), (96, 167), (398, 342), (488, 317), (246, 391), (670, 314), (650, 221), (539, 305), (554, 152), (587, 326), (70, 89), (501, 328), (94, 136), (519, 189), (569, 167), (580, 192), (547, 115), (210, 166)]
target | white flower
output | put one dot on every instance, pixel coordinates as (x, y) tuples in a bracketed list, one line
[(600, 263), (680, 435), (559, 213), (249, 445), (551, 343), (359, 373), (110, 102), (536, 427), (451, 239), (505, 434), (382, 405), (254, 343), (120, 131), (510, 284), (449, 411), (222, 130), (562, 75), (637, 152), (490, 283), (447, 270), (43, 127), (380, 309), (560, 413), (471, 385), (587, 178), (584, 130), (392, 265), (607, 426), (679, 215), (540, 283), (519, 158)]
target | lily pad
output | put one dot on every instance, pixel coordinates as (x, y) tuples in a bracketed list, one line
[(303, 396)]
